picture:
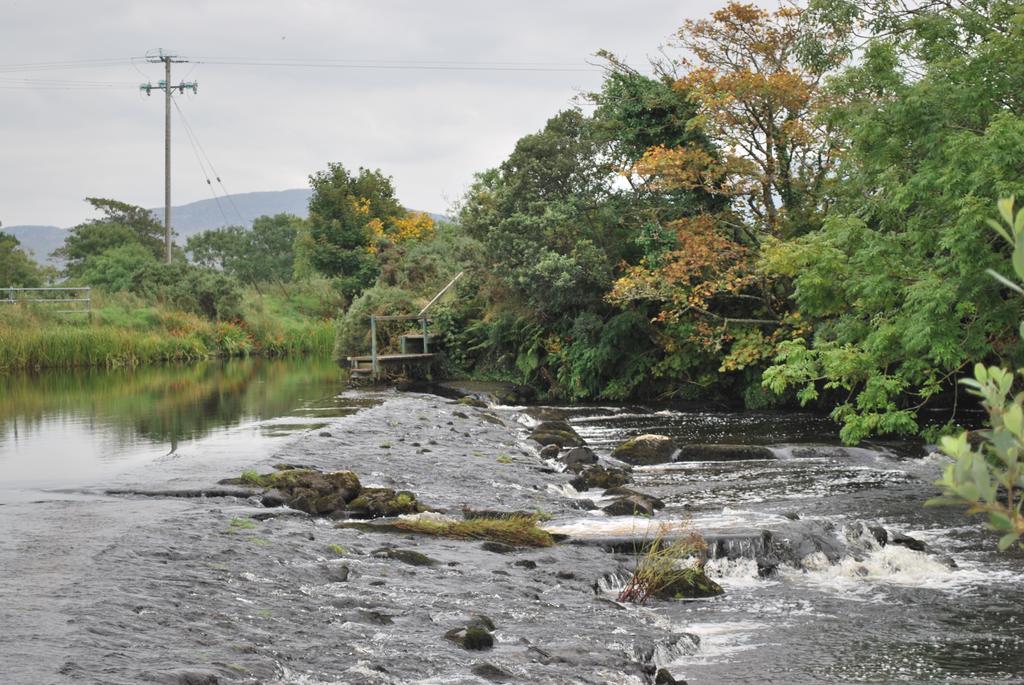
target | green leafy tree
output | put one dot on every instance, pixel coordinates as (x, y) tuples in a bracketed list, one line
[(121, 224), (220, 248), (543, 220), (17, 270), (272, 241), (894, 285), (263, 254), (347, 215), (115, 269)]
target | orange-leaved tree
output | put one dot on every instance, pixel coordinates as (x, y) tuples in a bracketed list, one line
[(773, 154)]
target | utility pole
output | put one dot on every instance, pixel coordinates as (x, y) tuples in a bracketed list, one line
[(165, 85)]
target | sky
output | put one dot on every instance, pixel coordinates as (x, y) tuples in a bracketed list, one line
[(69, 133)]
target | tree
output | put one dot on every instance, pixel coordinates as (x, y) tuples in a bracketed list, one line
[(121, 223), (766, 153), (219, 248), (115, 269), (347, 216), (543, 217), (263, 254), (761, 105), (894, 284), (272, 241), (17, 269)]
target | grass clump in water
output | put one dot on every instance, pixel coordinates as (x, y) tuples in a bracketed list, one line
[(518, 531), (664, 568)]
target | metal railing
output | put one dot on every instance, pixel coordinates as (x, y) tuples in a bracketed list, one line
[(74, 300), (421, 317)]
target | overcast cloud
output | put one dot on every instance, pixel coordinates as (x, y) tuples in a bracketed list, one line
[(268, 128)]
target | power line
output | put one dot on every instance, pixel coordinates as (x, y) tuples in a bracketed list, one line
[(202, 167), (64, 82), (398, 65), (193, 136), (66, 64)]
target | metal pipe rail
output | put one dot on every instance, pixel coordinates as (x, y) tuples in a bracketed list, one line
[(70, 296)]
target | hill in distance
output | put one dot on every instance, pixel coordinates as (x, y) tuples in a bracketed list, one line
[(187, 219)]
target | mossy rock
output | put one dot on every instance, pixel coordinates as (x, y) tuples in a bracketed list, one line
[(692, 583), (383, 502), (472, 402), (309, 490), (556, 433), (646, 449), (599, 477), (723, 453), (473, 637)]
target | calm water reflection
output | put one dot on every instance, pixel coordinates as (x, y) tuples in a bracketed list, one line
[(66, 427)]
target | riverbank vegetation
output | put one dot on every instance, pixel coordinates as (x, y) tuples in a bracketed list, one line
[(787, 208), (236, 295), (126, 329)]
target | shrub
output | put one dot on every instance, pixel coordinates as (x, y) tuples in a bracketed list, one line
[(203, 291)]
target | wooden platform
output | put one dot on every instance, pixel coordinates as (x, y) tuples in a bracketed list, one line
[(415, 347), (363, 365)]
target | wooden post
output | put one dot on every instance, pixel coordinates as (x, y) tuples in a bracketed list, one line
[(373, 346), (426, 336)]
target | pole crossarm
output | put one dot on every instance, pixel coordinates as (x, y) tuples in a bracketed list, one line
[(159, 56)]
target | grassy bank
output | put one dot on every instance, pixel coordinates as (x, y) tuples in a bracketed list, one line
[(126, 331)]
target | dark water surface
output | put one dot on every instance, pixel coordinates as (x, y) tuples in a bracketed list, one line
[(61, 429)]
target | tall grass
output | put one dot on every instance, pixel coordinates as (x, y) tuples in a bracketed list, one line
[(125, 331), (662, 561)]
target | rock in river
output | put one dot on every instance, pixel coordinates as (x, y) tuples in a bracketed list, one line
[(723, 453), (599, 477), (406, 556), (556, 433), (646, 449), (383, 502), (578, 457), (314, 492), (631, 505), (691, 584), (550, 451)]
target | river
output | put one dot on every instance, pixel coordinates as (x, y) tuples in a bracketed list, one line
[(134, 588)]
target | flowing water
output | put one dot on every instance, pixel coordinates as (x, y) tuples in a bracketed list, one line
[(839, 607), (156, 587)]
